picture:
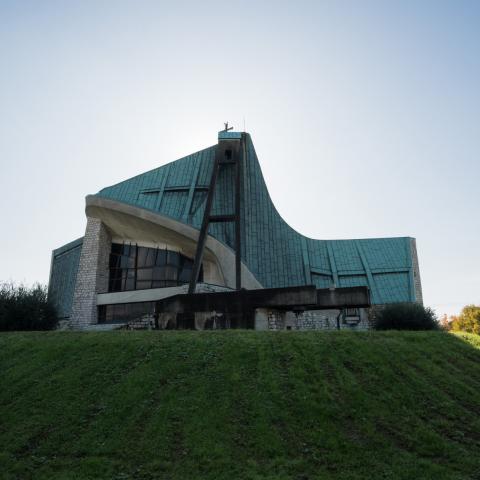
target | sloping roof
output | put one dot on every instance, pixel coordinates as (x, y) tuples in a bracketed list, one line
[(274, 252)]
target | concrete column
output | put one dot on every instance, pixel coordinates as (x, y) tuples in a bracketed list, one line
[(261, 319), (92, 276)]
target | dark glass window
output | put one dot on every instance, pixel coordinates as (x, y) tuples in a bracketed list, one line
[(115, 260), (142, 257), (144, 284), (161, 258), (185, 274), (117, 248), (124, 312), (139, 268), (144, 274), (173, 258), (130, 279), (127, 262)]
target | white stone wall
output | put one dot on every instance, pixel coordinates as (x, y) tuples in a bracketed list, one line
[(316, 320), (92, 276), (275, 320), (310, 320)]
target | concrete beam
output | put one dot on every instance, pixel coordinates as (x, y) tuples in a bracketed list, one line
[(290, 298)]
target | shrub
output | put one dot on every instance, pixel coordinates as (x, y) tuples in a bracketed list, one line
[(406, 316), (25, 308)]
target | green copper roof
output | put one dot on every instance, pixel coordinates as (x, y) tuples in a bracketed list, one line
[(273, 251)]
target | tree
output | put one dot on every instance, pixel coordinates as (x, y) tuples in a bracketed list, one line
[(468, 320), (25, 308)]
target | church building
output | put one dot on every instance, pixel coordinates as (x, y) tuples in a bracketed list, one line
[(198, 244)]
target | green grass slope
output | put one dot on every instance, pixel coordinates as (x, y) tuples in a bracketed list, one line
[(239, 405)]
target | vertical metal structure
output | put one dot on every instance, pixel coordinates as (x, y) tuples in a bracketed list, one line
[(238, 237), (230, 151)]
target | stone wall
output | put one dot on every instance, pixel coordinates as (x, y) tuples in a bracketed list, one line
[(275, 320), (416, 272), (146, 322), (313, 320), (92, 276), (317, 320)]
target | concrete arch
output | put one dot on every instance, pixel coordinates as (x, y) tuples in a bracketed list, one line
[(134, 223)]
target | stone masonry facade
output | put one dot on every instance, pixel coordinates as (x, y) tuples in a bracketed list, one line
[(416, 273), (314, 320), (92, 277)]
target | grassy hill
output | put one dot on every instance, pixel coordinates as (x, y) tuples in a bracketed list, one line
[(239, 405)]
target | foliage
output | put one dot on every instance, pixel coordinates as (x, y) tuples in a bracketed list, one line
[(239, 405), (406, 316), (25, 308), (467, 321)]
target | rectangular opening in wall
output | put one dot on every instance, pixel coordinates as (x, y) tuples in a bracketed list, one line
[(351, 316)]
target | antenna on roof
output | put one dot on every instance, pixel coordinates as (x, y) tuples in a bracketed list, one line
[(227, 128)]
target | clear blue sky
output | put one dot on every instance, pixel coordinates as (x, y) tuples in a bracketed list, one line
[(365, 116)]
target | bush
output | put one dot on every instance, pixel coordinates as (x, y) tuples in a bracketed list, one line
[(406, 316), (25, 308)]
